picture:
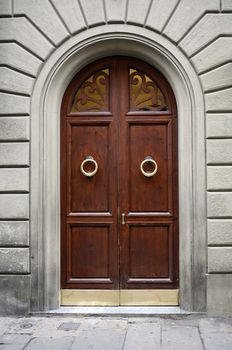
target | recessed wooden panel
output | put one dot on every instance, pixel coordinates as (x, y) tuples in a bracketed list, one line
[(89, 194), (149, 193), (149, 252), (89, 252)]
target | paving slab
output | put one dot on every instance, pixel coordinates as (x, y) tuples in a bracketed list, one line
[(143, 336), (217, 341), (13, 341), (181, 337), (64, 343), (100, 339)]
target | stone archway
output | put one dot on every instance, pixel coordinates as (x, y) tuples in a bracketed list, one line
[(57, 72)]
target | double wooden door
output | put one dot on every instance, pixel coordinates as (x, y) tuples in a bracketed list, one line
[(119, 183)]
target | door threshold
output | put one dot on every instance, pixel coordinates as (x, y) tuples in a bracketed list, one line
[(119, 311)]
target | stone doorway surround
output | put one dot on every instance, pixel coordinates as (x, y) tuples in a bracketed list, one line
[(49, 88)]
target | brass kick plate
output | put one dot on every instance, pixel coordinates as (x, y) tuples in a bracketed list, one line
[(124, 297)]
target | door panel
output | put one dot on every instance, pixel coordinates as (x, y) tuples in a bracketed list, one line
[(93, 194), (119, 227), (148, 194)]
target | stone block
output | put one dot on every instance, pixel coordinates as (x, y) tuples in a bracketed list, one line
[(179, 337), (219, 294), (100, 338), (14, 341), (220, 232), (115, 11), (219, 259), (219, 204), (143, 336), (70, 12), (217, 53), (13, 81), (226, 5), (14, 154), (5, 7), (218, 78), (219, 151), (44, 16), (207, 29), (14, 128), (219, 178), (137, 11), (51, 343), (220, 100), (24, 32), (186, 14), (11, 54), (94, 12), (14, 206), (219, 125), (13, 104), (15, 295), (14, 180), (159, 13), (14, 233), (14, 260)]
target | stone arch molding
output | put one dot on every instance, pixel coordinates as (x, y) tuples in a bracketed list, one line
[(47, 95)]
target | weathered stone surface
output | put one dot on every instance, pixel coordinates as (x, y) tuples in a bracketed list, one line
[(14, 128), (5, 7), (14, 342), (226, 5), (177, 337), (219, 52), (217, 341), (11, 54), (219, 204), (218, 78), (186, 14), (14, 233), (94, 11), (13, 81), (219, 178), (220, 232), (100, 339), (159, 13), (220, 259), (50, 343), (14, 206), (137, 11), (13, 104), (44, 16), (115, 10), (14, 154), (143, 336), (14, 179), (219, 151), (14, 296), (208, 28), (14, 260), (219, 294), (219, 125), (220, 100), (71, 14), (21, 30)]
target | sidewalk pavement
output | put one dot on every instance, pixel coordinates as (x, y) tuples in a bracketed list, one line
[(115, 333)]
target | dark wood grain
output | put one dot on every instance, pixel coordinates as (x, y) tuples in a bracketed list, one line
[(97, 251)]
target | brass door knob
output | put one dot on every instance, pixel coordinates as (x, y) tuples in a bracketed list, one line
[(148, 160), (89, 159)]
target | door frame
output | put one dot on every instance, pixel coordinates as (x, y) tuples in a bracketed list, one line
[(47, 95)]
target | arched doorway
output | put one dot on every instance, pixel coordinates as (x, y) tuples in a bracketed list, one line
[(119, 186)]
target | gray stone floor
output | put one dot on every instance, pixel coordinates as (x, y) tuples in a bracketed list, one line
[(115, 333)]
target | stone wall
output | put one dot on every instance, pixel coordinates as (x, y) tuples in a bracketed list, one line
[(30, 31)]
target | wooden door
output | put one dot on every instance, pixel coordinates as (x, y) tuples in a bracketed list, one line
[(119, 182)]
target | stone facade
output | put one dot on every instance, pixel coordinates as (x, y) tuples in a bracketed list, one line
[(31, 31)]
